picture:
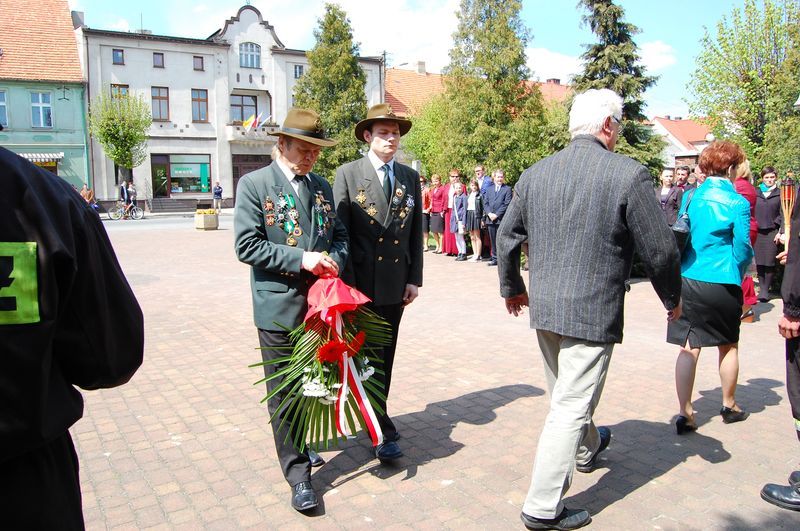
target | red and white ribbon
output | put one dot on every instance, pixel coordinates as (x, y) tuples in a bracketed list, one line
[(351, 381)]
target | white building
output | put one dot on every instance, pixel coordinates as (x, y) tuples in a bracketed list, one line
[(685, 140), (201, 90)]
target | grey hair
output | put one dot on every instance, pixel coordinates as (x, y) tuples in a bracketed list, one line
[(590, 110)]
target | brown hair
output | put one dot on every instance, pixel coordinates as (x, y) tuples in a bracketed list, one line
[(718, 157), (768, 169)]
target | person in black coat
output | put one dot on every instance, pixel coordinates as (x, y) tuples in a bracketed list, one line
[(496, 201), (669, 197), (768, 218), (788, 496), (60, 283)]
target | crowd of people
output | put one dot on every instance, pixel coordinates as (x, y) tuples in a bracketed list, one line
[(454, 212)]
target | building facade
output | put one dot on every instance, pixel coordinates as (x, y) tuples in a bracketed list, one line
[(685, 140), (42, 93), (214, 101)]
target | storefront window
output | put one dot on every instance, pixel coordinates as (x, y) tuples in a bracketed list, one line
[(190, 174)]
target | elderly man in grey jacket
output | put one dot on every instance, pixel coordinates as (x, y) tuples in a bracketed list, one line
[(583, 211)]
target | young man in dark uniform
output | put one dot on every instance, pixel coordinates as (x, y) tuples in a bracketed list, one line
[(60, 283), (380, 203)]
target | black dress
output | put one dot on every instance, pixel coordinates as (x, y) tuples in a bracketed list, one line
[(474, 217), (710, 315)]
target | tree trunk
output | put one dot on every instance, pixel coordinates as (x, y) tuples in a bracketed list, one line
[(124, 175)]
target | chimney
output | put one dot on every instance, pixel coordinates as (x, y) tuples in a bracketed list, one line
[(554, 81), (421, 67), (78, 20), (679, 117), (668, 117)]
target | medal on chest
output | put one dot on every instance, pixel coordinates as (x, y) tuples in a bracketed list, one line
[(287, 216)]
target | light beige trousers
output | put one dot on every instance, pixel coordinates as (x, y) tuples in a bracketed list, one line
[(576, 372)]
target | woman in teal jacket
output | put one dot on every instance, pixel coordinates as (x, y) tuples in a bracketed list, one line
[(713, 265)]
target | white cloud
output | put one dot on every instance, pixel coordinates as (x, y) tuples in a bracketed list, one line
[(406, 35), (120, 25), (547, 64), (657, 56)]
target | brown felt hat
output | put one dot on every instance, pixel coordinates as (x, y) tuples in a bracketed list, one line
[(305, 125), (378, 113)]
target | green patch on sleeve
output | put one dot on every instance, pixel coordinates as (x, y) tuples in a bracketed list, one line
[(19, 285)]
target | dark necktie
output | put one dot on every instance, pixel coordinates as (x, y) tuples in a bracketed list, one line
[(302, 190), (387, 183)]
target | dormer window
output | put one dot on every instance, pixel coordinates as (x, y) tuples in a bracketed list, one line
[(249, 55)]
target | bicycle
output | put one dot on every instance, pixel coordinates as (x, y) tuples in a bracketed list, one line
[(123, 211)]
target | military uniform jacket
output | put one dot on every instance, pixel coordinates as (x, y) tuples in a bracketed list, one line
[(385, 239), (67, 315), (278, 283)]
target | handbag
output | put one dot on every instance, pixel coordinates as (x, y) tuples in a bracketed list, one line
[(682, 226)]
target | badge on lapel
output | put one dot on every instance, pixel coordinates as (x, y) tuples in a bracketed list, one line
[(361, 198)]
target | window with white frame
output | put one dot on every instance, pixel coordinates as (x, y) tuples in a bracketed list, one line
[(41, 109), (249, 55), (3, 109), (160, 103), (298, 71)]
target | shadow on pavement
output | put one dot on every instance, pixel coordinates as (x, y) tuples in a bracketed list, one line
[(753, 396), (642, 451), (425, 436), (783, 520)]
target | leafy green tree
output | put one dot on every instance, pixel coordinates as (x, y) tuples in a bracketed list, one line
[(614, 63), (120, 125), (489, 113), (743, 81), (334, 86)]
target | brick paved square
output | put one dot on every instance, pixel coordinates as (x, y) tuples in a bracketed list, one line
[(189, 445)]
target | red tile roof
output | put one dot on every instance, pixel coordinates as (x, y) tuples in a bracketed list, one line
[(407, 91), (687, 132), (553, 90), (38, 41)]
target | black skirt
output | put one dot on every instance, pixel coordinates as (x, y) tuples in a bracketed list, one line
[(473, 222), (426, 222), (766, 248), (437, 222), (711, 315)]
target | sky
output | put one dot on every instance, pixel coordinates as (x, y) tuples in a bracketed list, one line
[(421, 30)]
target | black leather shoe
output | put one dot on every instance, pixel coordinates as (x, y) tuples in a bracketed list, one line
[(784, 496), (315, 458), (729, 416), (682, 425), (492, 263), (589, 466), (794, 478), (388, 451), (303, 496), (568, 519)]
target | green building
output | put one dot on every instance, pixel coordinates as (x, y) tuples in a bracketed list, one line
[(42, 92)]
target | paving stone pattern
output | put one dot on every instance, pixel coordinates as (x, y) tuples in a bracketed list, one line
[(186, 444)]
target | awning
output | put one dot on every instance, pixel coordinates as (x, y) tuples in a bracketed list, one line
[(43, 157)]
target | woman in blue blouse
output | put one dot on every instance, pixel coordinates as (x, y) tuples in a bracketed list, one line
[(713, 265)]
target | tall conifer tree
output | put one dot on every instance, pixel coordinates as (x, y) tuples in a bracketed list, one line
[(334, 86), (613, 63)]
